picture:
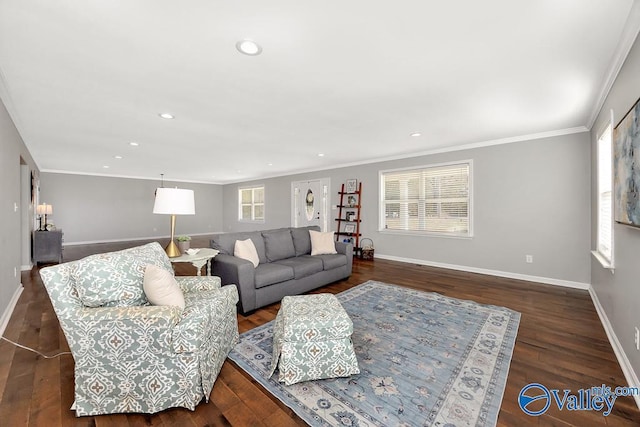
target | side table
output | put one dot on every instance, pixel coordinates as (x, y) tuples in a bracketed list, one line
[(204, 256), (47, 246)]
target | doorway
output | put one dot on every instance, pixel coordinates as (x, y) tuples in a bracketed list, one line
[(310, 203)]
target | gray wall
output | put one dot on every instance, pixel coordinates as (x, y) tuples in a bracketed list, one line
[(531, 197), (12, 149), (98, 209), (619, 293)]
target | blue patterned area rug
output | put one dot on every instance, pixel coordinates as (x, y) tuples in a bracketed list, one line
[(425, 360)]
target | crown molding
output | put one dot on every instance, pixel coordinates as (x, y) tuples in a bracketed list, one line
[(482, 144), (104, 175), (627, 39)]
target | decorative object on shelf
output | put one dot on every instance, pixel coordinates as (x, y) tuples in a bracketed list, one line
[(352, 186), (174, 201), (184, 242), (367, 248), (349, 215), (626, 136), (192, 251), (44, 210)]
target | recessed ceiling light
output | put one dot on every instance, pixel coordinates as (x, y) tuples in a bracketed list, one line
[(416, 134), (320, 154), (106, 167), (133, 144), (269, 164), (249, 47), (117, 157), (166, 116)]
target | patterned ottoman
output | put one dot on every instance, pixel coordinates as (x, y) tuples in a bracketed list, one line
[(312, 339)]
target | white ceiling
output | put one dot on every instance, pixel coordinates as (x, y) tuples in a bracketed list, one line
[(349, 79)]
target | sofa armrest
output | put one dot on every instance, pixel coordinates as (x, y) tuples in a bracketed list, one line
[(121, 333), (240, 272), (205, 317), (190, 284), (346, 249)]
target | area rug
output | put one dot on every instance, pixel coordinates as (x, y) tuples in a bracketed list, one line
[(425, 360)]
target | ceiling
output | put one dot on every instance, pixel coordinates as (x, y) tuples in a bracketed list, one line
[(349, 80)]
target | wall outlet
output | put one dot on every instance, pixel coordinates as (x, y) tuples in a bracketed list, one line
[(636, 338), (529, 259)]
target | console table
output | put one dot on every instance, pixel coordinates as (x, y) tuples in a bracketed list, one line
[(204, 256), (47, 246)]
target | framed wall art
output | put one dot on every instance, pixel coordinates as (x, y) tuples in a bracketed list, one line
[(351, 186), (626, 168)]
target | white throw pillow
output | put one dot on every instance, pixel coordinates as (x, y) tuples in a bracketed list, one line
[(322, 243), (161, 287), (245, 249)]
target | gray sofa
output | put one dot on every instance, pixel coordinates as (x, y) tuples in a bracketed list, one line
[(286, 266)]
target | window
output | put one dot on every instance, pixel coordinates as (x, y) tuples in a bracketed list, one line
[(604, 249), (251, 206), (432, 199)]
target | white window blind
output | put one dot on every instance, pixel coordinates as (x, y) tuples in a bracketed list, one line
[(605, 206), (434, 199), (251, 206)]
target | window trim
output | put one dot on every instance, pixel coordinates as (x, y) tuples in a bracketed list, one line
[(606, 262), (381, 205), (264, 204)]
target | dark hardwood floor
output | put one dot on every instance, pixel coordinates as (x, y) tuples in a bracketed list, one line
[(561, 344)]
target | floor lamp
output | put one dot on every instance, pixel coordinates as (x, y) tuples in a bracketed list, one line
[(174, 201)]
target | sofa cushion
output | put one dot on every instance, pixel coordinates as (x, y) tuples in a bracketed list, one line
[(301, 239), (153, 253), (110, 280), (161, 287), (225, 243), (332, 261), (270, 273), (115, 279), (303, 266), (245, 249), (322, 243), (278, 244)]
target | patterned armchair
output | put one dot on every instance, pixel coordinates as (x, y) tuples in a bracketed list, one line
[(131, 356)]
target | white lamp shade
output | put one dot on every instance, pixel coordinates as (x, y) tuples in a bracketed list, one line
[(44, 209), (174, 201)]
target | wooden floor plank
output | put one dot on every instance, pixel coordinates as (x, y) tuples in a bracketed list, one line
[(560, 343)]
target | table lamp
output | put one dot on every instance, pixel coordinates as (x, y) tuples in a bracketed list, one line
[(174, 201), (44, 209)]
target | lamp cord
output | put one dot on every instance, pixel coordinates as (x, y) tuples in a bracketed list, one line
[(36, 351)]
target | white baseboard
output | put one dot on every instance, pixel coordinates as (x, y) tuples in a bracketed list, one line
[(507, 274), (623, 361), (4, 320), (26, 267)]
